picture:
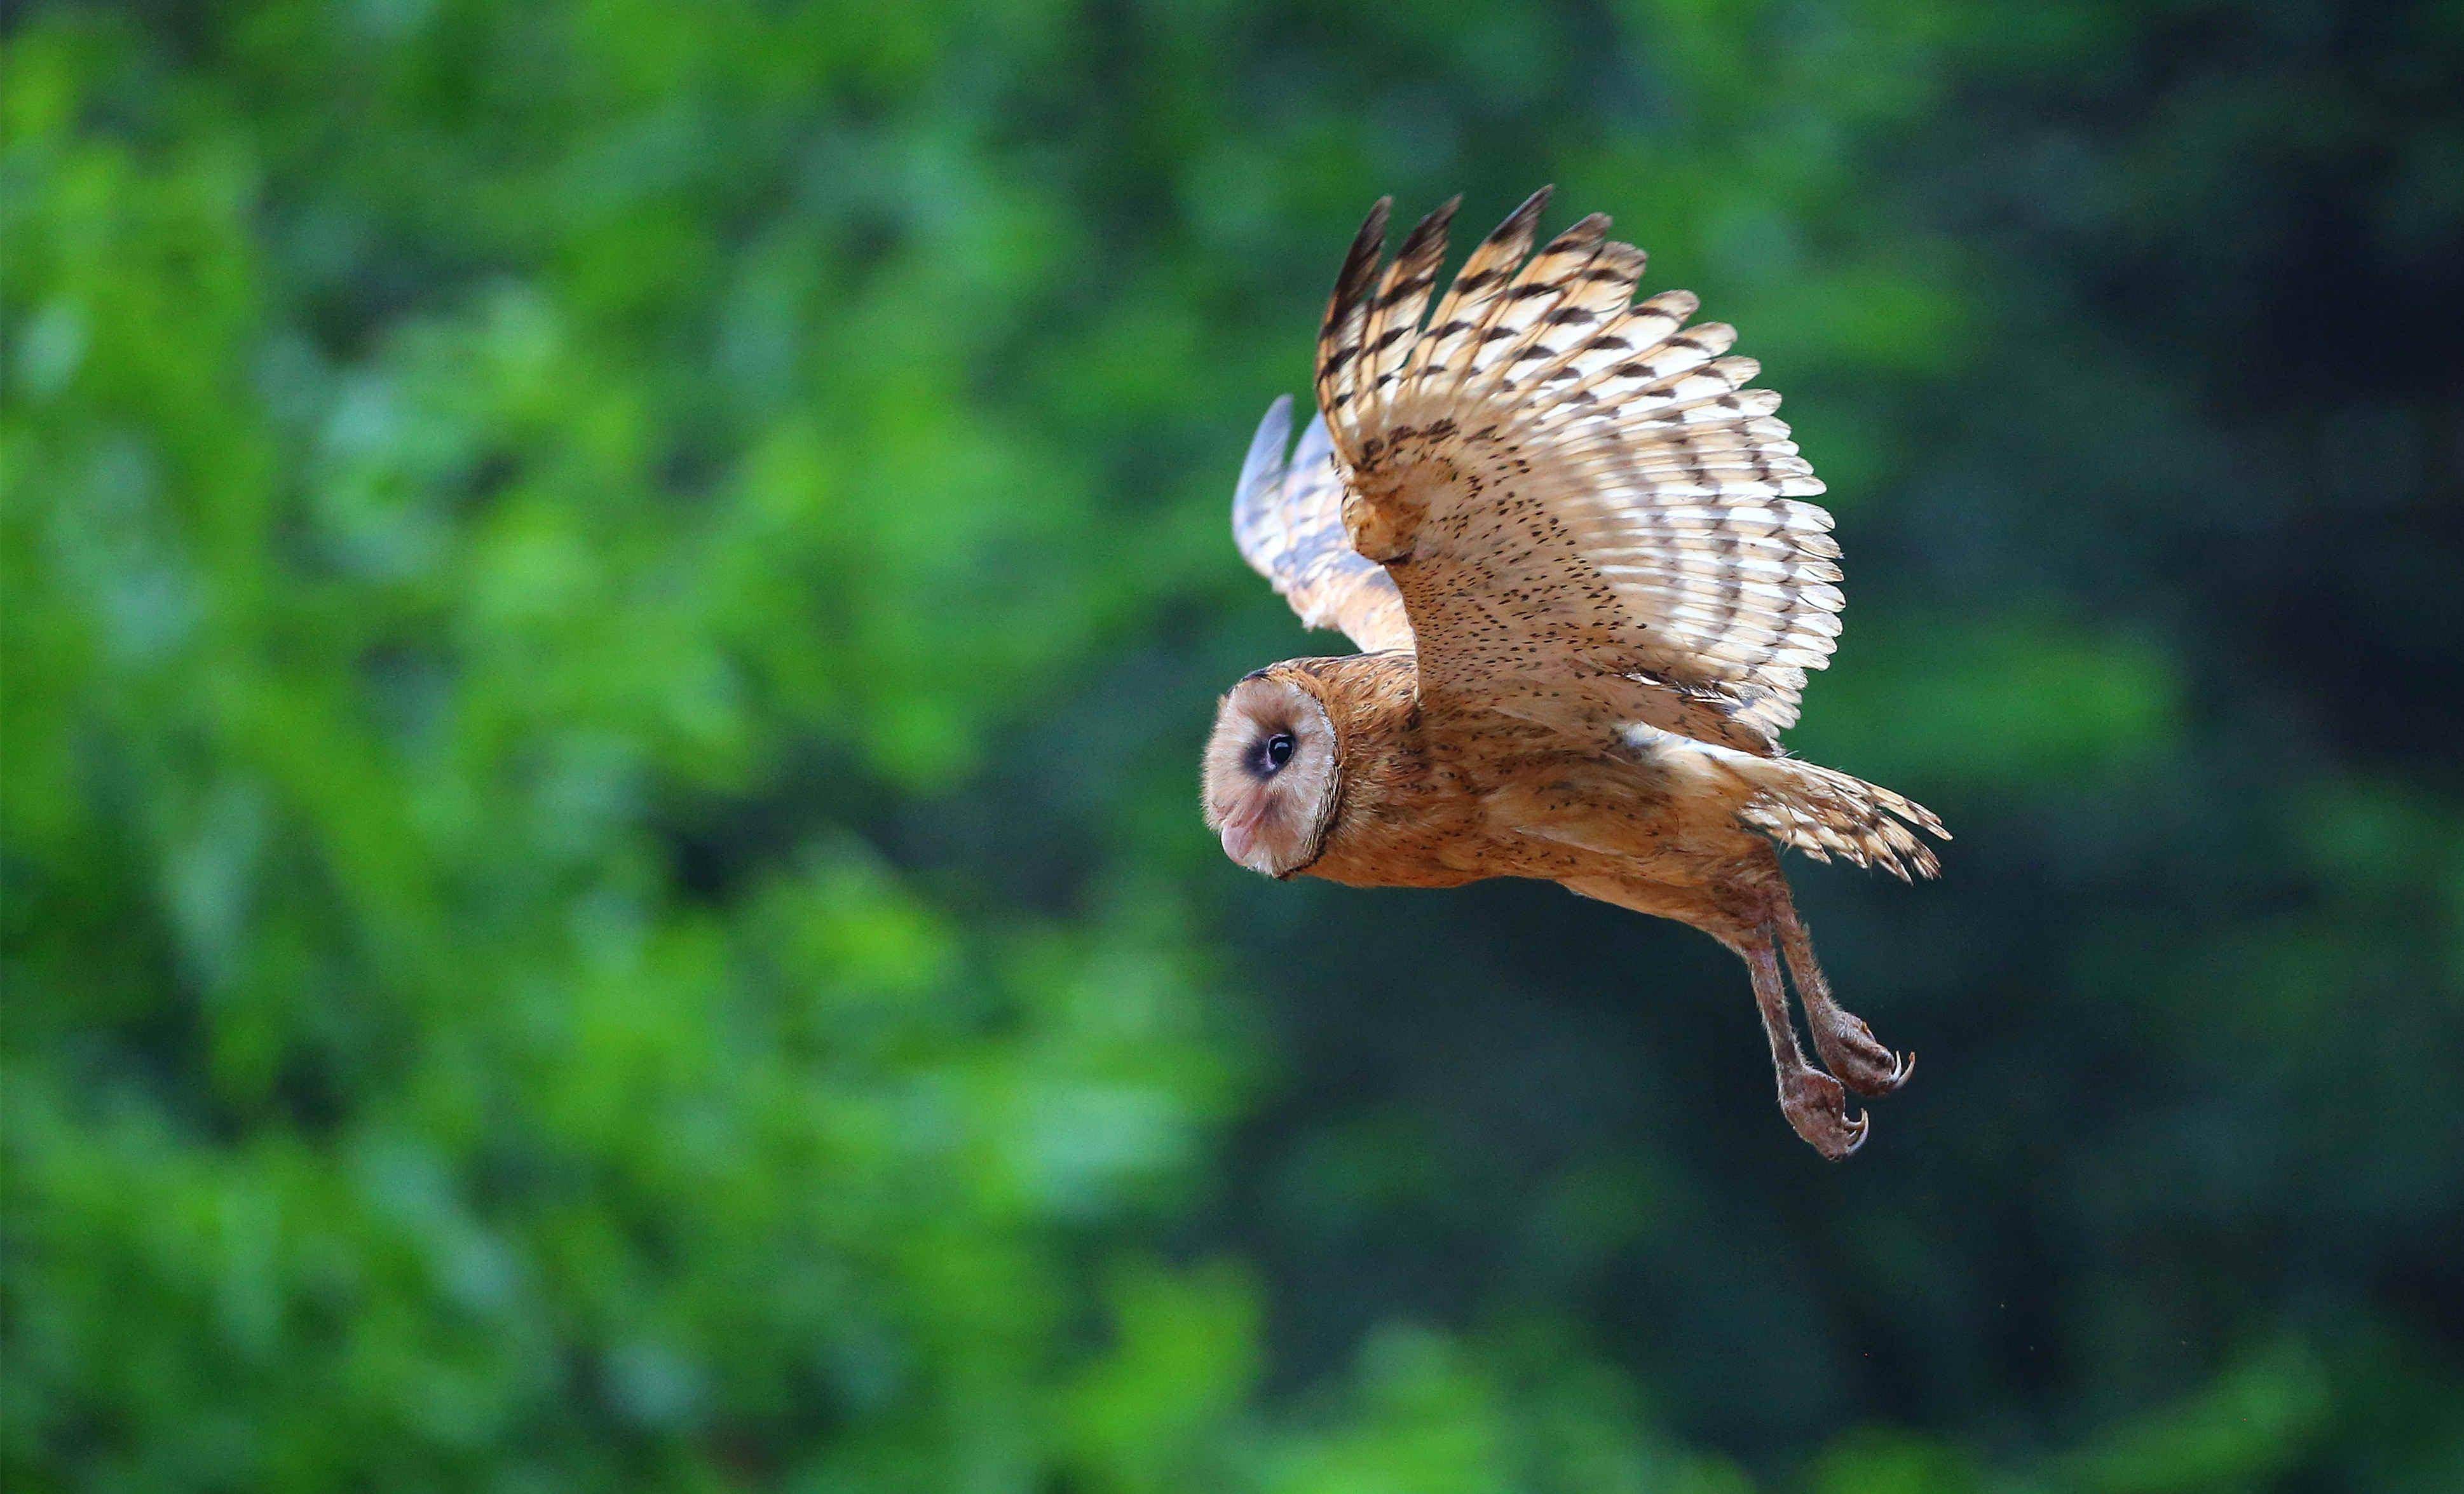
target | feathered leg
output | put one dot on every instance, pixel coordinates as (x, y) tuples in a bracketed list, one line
[(1753, 926), (1847, 1046), (1810, 1099)]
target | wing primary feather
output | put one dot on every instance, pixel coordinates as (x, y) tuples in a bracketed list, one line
[(1522, 311), (1264, 464), (1339, 344), (1387, 336), (1445, 355)]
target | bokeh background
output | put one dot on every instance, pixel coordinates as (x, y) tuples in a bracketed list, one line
[(608, 608)]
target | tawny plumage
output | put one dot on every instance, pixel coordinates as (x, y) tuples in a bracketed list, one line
[(1577, 552)]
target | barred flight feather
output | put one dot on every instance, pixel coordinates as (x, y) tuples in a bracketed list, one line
[(1584, 510)]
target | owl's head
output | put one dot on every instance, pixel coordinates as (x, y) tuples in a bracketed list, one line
[(1273, 773)]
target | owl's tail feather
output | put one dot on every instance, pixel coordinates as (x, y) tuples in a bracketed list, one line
[(1803, 805), (1825, 813)]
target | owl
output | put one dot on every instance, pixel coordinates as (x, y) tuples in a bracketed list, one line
[(1576, 554)]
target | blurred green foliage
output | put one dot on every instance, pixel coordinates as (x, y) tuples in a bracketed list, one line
[(607, 609)]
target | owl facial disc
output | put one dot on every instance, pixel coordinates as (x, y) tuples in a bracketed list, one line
[(1271, 774)]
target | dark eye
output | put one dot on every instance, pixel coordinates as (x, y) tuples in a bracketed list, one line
[(1279, 750)]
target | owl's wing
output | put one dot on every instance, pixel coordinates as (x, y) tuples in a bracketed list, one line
[(1587, 513), (1288, 520)]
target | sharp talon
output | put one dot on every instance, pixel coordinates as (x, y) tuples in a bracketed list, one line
[(1849, 1050)]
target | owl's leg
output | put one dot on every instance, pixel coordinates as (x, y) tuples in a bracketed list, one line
[(1810, 1099), (1848, 1046)]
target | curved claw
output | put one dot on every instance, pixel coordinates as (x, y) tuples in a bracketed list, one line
[(1849, 1049)]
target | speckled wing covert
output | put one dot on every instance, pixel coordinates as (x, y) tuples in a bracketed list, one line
[(1585, 509), (1288, 520)]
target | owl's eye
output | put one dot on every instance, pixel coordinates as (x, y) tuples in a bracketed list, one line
[(1279, 750)]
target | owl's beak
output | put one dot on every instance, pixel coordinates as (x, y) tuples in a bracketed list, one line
[(1240, 834)]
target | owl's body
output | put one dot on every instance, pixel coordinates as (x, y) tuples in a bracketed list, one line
[(1438, 803), (1577, 552)]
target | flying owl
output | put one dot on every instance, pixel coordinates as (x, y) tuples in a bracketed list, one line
[(1577, 554)]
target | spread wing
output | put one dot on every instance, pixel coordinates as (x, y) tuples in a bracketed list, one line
[(1288, 520), (1589, 517)]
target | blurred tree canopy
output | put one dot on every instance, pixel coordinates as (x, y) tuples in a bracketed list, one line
[(607, 612)]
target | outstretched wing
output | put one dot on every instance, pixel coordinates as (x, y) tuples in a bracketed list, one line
[(1288, 520), (1588, 516)]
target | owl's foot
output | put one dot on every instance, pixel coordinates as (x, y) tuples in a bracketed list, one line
[(1816, 1105), (1810, 1099), (1850, 1050), (1848, 1046)]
